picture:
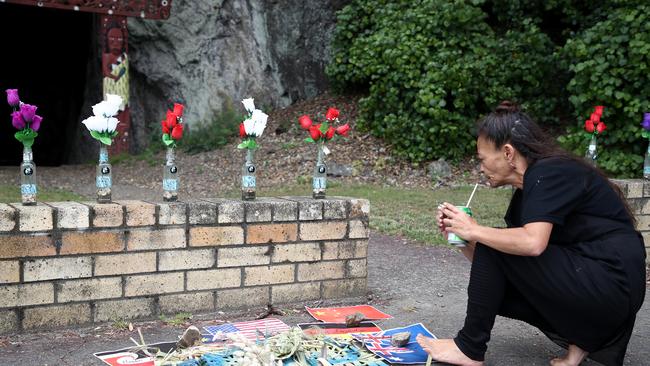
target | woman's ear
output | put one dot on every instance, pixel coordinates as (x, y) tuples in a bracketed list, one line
[(509, 152)]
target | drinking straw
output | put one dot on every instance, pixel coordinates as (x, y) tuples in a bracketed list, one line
[(472, 195)]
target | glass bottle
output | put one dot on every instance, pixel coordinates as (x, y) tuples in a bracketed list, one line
[(103, 178), (170, 177), (646, 163), (28, 178), (591, 155), (319, 180), (248, 177)]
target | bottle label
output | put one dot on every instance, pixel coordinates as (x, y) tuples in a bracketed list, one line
[(28, 189), (170, 184), (592, 147), (319, 183), (248, 181), (103, 182), (103, 157)]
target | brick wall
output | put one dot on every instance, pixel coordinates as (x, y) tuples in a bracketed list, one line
[(637, 192), (65, 263)]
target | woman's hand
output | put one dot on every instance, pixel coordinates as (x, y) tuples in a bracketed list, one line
[(453, 220)]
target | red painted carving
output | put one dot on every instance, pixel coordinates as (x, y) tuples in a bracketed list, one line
[(151, 9), (115, 71)]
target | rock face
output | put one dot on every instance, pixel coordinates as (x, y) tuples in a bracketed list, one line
[(211, 53)]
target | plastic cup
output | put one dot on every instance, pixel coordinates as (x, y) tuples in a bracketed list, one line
[(454, 239)]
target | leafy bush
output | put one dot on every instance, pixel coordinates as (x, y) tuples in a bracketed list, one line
[(610, 62), (433, 67)]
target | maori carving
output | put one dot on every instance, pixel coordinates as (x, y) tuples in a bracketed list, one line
[(151, 9)]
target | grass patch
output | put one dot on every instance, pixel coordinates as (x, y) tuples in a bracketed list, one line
[(11, 193), (412, 212), (177, 319)]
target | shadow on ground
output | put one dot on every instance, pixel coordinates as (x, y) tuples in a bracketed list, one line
[(412, 282)]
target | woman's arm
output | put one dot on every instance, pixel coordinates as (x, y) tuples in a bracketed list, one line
[(529, 240)]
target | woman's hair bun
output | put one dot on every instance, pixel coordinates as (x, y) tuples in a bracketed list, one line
[(507, 107)]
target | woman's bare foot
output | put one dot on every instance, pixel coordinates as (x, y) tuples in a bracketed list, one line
[(573, 357), (445, 350)]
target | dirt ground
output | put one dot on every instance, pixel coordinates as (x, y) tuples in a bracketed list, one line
[(412, 282)]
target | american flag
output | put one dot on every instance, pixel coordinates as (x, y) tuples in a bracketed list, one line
[(253, 330)]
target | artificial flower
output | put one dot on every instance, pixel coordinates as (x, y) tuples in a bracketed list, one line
[(28, 111), (109, 107), (172, 125), (242, 130), (23, 118), (36, 122), (314, 132), (305, 122), (332, 114), (102, 125), (249, 105), (594, 125), (330, 133), (177, 132), (12, 98), (326, 130), (17, 120), (253, 126), (343, 129), (599, 110), (178, 109), (646, 121), (646, 125)]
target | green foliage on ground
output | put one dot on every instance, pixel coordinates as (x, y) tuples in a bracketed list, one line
[(214, 134), (11, 193), (431, 68), (412, 212), (177, 319)]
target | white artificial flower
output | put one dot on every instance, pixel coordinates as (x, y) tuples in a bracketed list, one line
[(249, 127), (249, 105), (109, 107), (101, 124), (260, 122), (94, 123), (111, 124), (115, 100)]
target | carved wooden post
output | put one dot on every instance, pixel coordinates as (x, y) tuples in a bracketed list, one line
[(115, 74)]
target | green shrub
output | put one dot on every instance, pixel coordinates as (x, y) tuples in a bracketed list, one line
[(610, 62), (209, 136), (432, 67)]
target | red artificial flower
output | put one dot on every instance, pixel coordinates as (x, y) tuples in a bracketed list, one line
[(589, 126), (305, 122), (314, 132), (595, 117), (599, 110), (343, 130), (178, 109), (330, 133), (164, 127), (242, 130), (171, 119), (332, 114), (601, 127), (177, 132)]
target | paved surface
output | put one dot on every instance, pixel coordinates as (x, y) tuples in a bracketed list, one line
[(413, 283)]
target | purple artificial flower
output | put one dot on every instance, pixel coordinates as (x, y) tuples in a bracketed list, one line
[(12, 97), (36, 122), (17, 120), (28, 111), (646, 121)]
